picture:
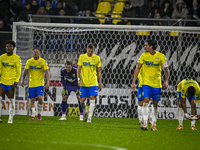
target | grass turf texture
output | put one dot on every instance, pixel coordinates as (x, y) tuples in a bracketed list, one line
[(101, 134)]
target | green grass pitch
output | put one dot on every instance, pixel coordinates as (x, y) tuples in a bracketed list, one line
[(101, 134)]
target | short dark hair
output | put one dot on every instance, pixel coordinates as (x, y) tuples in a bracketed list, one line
[(68, 62), (152, 43), (90, 46), (127, 2), (10, 42), (37, 48), (191, 91)]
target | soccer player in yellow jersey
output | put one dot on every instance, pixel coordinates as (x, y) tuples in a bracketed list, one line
[(187, 88), (89, 67), (10, 72), (152, 62), (37, 66)]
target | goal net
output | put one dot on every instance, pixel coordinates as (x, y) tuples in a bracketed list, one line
[(119, 48)]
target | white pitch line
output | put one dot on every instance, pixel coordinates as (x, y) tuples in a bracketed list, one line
[(67, 143)]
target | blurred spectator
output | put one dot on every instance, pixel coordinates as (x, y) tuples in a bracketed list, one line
[(62, 12), (166, 9), (89, 21), (107, 20), (139, 5), (173, 2), (42, 11), (151, 9), (180, 10), (86, 5), (3, 26), (73, 4), (157, 23), (49, 7), (34, 6), (4, 10), (60, 5), (16, 6), (25, 12), (194, 13), (128, 12)]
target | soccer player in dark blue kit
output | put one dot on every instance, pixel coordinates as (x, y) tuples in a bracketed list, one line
[(70, 83)]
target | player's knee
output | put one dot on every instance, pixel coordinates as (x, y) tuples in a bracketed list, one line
[(145, 104)]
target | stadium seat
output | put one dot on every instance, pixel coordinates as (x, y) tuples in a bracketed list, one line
[(23, 3), (41, 2), (102, 21), (54, 3), (115, 21), (142, 32), (103, 8), (121, 0), (108, 0), (174, 33), (118, 8)]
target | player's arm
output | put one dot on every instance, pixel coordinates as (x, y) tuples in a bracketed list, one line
[(99, 78), (23, 77), (137, 70), (79, 75), (183, 101), (19, 67), (165, 67), (47, 78), (63, 80), (0, 66)]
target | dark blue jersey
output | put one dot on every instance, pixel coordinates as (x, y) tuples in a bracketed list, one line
[(69, 78)]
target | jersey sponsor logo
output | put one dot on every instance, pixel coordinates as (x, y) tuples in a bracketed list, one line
[(35, 68), (7, 65), (87, 64), (151, 63), (157, 58)]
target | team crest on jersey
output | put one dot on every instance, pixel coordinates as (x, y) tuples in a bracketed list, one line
[(157, 58), (39, 63), (93, 60), (74, 75), (12, 60)]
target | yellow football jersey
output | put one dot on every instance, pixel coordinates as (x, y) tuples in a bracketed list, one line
[(184, 84), (36, 68), (89, 67), (10, 68), (152, 68)]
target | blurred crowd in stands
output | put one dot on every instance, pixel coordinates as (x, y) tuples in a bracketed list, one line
[(20, 10)]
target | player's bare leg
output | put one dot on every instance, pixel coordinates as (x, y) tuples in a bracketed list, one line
[(154, 115), (11, 105), (193, 114), (64, 107), (2, 93), (82, 101), (32, 107), (40, 107), (180, 116), (145, 113)]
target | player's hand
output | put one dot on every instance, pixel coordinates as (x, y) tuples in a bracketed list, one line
[(165, 86), (15, 84), (79, 83), (47, 86), (187, 116), (22, 83), (133, 86), (100, 87)]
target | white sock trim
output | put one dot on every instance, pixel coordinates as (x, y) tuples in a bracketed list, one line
[(91, 109), (180, 116), (1, 106), (40, 107), (32, 111), (140, 113), (145, 112)]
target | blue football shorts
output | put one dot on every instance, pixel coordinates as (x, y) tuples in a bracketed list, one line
[(88, 91), (139, 94), (69, 90), (35, 91), (151, 92), (179, 97), (6, 87)]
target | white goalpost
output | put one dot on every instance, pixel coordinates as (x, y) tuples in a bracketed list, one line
[(119, 48)]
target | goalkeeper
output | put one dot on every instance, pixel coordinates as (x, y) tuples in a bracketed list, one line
[(70, 83), (187, 88)]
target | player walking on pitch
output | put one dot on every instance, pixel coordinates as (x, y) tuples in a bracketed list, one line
[(187, 88), (89, 67), (10, 72), (37, 66), (153, 62), (70, 83)]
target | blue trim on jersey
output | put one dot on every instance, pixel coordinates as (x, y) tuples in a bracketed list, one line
[(151, 92), (88, 91), (6, 87), (194, 98), (35, 91), (178, 96), (139, 94)]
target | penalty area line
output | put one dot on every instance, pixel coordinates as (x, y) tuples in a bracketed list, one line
[(70, 143)]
